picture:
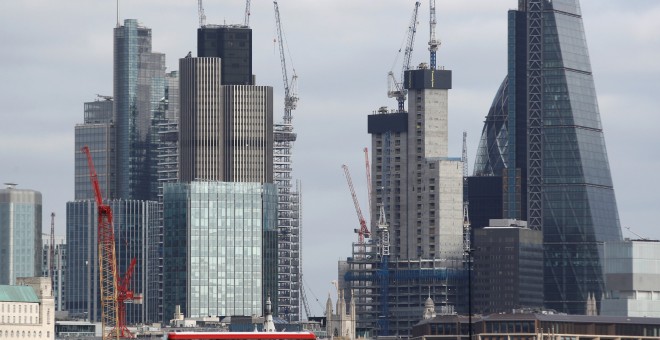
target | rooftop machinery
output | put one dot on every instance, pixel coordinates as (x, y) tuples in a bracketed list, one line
[(395, 87)]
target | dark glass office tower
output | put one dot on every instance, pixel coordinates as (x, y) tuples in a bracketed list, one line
[(139, 86), (544, 137), (233, 44)]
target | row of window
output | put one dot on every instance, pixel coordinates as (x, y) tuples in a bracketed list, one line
[(21, 320), (21, 308), (24, 334)]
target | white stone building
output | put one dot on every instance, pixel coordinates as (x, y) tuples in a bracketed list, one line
[(340, 324), (27, 309)]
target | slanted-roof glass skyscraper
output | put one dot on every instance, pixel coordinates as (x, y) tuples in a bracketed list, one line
[(544, 137), (139, 86)]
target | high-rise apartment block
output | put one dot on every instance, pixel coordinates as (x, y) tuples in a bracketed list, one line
[(20, 234), (543, 136)]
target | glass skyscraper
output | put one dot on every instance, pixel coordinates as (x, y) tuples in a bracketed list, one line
[(133, 220), (97, 133), (122, 133), (220, 246), (20, 234), (139, 86), (544, 138)]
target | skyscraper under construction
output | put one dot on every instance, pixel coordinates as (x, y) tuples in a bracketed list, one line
[(544, 140), (416, 249)]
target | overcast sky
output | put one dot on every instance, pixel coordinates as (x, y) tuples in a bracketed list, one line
[(55, 55)]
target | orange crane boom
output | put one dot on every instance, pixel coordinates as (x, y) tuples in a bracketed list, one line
[(363, 232), (107, 257)]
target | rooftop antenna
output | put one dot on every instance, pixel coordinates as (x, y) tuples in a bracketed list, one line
[(117, 13), (636, 234)]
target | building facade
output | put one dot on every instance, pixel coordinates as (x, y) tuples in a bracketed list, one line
[(544, 137), (97, 132), (507, 267), (418, 253), (632, 270), (544, 326), (226, 132), (20, 234), (419, 185), (133, 221), (27, 309), (58, 270), (232, 44), (221, 247), (139, 85)]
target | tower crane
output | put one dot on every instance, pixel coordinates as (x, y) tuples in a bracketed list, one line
[(433, 42), (115, 292), (290, 96), (395, 87), (246, 21), (368, 168), (107, 257), (200, 13), (363, 232)]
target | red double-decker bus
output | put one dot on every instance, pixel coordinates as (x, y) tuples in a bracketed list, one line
[(241, 336)]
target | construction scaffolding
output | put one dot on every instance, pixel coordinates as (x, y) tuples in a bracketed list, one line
[(389, 295)]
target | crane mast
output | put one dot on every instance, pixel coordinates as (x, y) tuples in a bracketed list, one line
[(395, 87), (433, 42), (290, 96), (246, 20), (363, 232), (200, 13), (106, 255)]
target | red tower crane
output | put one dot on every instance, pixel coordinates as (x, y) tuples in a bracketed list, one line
[(114, 294), (124, 296), (363, 232), (107, 258)]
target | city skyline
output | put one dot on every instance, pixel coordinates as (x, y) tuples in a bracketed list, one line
[(77, 51)]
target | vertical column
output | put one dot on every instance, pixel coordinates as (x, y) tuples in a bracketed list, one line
[(535, 114)]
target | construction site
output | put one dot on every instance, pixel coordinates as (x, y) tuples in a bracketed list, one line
[(417, 246)]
